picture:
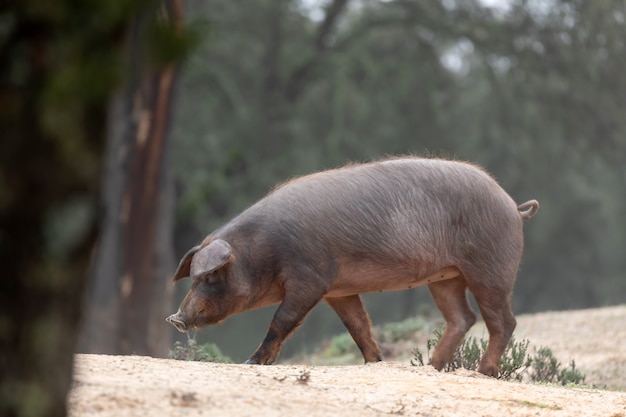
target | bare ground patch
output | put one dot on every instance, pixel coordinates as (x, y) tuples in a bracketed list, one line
[(141, 386)]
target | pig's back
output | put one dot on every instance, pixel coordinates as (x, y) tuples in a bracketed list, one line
[(393, 210)]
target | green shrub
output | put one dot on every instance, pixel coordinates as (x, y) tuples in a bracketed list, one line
[(467, 354), (393, 332), (546, 368), (192, 351), (341, 345), (515, 364), (515, 360)]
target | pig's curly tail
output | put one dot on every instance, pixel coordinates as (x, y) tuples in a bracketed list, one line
[(528, 209)]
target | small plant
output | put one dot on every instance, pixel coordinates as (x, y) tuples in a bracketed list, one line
[(467, 354), (515, 360), (515, 364), (192, 351), (571, 375), (546, 368), (418, 358)]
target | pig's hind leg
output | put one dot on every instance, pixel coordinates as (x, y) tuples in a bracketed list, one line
[(450, 296), (352, 313), (494, 302)]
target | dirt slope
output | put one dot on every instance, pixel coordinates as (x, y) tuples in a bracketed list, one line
[(140, 386)]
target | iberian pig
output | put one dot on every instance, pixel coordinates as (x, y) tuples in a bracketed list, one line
[(388, 225)]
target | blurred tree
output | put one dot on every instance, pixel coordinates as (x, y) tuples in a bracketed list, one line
[(130, 295), (57, 66), (59, 63)]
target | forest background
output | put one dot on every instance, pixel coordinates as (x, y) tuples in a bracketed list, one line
[(533, 91), (131, 129)]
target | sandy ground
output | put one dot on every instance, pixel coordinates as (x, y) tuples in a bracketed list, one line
[(141, 386)]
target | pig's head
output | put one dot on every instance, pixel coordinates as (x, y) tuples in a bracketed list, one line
[(208, 301)]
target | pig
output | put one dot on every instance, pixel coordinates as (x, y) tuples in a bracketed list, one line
[(388, 225)]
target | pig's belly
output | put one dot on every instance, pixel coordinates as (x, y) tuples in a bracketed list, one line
[(358, 278)]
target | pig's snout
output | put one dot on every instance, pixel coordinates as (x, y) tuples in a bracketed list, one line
[(177, 321)]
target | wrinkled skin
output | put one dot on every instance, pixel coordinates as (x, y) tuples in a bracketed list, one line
[(387, 225)]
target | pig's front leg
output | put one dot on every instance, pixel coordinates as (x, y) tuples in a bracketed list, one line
[(290, 314)]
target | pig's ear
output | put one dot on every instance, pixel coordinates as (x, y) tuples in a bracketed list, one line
[(184, 266), (211, 257)]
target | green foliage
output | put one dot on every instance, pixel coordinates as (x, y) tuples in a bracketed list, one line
[(516, 363), (192, 351), (343, 344), (514, 359), (546, 368), (402, 330), (170, 44), (467, 354)]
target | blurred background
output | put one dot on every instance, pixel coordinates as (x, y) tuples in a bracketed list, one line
[(535, 91), (132, 129)]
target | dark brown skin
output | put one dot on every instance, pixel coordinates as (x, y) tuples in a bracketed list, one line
[(387, 225)]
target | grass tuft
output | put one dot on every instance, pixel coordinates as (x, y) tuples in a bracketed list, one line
[(193, 351)]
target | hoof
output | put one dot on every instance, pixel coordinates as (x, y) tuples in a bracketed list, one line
[(489, 370), (251, 362)]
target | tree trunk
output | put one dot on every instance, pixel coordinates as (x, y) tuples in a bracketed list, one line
[(141, 278), (131, 294), (51, 121)]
